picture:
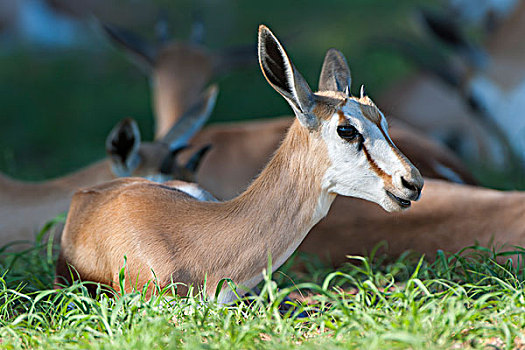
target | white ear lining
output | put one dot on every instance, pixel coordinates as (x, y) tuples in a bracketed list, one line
[(299, 99)]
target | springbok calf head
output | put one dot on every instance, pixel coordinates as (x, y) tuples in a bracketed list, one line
[(364, 161), (158, 160)]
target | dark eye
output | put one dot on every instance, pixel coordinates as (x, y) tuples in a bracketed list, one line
[(347, 132)]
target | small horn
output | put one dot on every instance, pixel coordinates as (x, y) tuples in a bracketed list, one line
[(362, 92), (193, 164), (192, 120), (347, 91)]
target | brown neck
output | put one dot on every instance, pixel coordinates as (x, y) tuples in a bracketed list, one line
[(178, 80), (276, 212)]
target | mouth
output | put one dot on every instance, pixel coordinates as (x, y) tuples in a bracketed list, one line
[(403, 203)]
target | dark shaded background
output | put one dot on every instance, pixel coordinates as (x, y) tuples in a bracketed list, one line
[(57, 104)]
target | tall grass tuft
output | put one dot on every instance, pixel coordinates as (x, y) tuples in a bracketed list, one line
[(470, 299)]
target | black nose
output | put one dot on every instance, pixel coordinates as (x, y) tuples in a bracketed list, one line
[(411, 186)]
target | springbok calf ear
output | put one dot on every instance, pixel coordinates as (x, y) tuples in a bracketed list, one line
[(284, 78), (335, 74), (194, 162), (192, 120), (122, 146), (141, 51), (168, 167)]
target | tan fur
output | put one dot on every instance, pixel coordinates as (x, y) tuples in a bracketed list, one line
[(449, 217), (181, 72), (26, 206), (328, 230), (159, 228), (240, 150)]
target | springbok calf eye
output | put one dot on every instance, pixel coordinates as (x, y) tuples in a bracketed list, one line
[(347, 132)]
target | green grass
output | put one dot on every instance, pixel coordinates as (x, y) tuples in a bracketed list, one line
[(56, 109), (465, 300)]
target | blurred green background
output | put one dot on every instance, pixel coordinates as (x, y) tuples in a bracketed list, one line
[(58, 104)]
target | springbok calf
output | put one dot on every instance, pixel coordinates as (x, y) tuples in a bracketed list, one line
[(170, 65), (178, 74), (25, 207), (337, 145), (436, 223), (179, 70)]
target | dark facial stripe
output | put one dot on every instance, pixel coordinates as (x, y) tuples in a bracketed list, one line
[(371, 113), (376, 169), (396, 150)]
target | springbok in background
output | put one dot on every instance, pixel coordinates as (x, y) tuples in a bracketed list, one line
[(449, 217), (338, 144), (25, 207), (493, 89), (179, 70)]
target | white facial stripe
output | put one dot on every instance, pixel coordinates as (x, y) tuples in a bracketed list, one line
[(378, 146)]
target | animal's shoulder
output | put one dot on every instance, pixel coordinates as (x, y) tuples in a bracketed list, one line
[(113, 186)]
